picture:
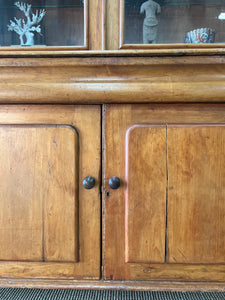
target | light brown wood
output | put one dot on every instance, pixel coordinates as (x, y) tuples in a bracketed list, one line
[(121, 24), (196, 206), (180, 48), (50, 232), (48, 215), (61, 51), (112, 79), (87, 33), (97, 25), (38, 182), (117, 120), (60, 196), (113, 20), (21, 219), (134, 285), (185, 272), (145, 211)]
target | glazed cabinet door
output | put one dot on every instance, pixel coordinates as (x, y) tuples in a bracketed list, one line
[(49, 223), (167, 218)]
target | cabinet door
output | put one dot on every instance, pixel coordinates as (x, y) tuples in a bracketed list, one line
[(49, 223), (167, 218)]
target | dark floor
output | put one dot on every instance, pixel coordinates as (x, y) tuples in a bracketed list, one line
[(37, 294)]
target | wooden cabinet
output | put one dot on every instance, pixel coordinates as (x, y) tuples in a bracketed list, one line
[(49, 224), (167, 220), (151, 115)]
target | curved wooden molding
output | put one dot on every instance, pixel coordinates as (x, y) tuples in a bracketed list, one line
[(112, 78)]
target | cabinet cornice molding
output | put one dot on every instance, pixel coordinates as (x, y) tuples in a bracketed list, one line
[(112, 78)]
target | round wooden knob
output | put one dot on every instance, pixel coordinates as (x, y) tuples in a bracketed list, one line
[(114, 182), (89, 182)]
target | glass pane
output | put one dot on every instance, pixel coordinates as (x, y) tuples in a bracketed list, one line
[(42, 23), (174, 21)]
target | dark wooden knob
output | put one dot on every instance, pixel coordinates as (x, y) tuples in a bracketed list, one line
[(114, 182), (89, 182)]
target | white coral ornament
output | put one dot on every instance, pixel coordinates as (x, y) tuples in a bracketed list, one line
[(26, 28)]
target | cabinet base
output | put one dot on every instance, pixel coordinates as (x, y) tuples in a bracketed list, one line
[(116, 285)]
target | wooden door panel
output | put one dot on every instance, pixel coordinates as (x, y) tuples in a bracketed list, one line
[(61, 200), (38, 181), (198, 202), (145, 210), (196, 194), (47, 228)]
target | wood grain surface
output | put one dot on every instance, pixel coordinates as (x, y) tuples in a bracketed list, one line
[(117, 120), (38, 181), (134, 285), (112, 79), (96, 25), (112, 24), (163, 229), (145, 211), (50, 225), (196, 159)]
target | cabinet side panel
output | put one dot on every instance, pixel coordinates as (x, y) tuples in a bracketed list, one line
[(146, 180), (196, 193)]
